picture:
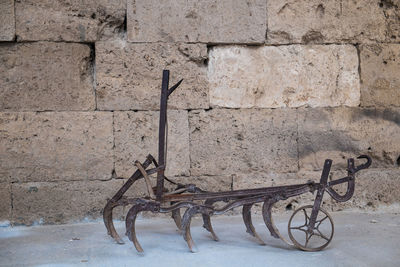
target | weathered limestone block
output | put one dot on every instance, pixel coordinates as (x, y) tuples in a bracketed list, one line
[(375, 188), (391, 10), (74, 21), (380, 75), (5, 203), (210, 21), (340, 133), (56, 146), (263, 179), (284, 76), (317, 21), (136, 135), (46, 76), (61, 202), (7, 20), (225, 142), (207, 183), (129, 75)]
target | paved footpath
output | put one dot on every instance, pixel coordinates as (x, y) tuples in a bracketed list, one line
[(361, 239)]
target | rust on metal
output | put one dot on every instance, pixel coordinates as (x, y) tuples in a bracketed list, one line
[(313, 234)]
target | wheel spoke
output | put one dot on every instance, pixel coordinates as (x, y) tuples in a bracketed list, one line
[(298, 227), (304, 225), (307, 244), (322, 235), (303, 230)]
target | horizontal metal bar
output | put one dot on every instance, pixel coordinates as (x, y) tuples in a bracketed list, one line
[(236, 193), (340, 181)]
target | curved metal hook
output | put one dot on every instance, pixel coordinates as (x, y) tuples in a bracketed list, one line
[(365, 165)]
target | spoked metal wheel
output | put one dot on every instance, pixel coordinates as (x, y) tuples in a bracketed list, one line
[(308, 240)]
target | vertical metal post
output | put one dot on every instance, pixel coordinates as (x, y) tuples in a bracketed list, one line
[(161, 133), (320, 194)]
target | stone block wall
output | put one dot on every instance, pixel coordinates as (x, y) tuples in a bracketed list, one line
[(271, 88)]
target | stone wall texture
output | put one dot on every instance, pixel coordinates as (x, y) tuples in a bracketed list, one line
[(271, 89)]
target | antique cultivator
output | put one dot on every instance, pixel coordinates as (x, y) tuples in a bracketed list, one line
[(313, 233)]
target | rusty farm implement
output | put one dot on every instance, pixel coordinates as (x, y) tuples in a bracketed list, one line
[(314, 232)]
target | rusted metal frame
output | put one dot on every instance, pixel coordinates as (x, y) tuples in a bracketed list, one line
[(193, 208), (350, 179), (241, 200), (235, 193), (268, 200), (184, 195)]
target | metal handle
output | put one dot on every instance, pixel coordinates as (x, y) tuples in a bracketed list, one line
[(350, 179), (349, 192)]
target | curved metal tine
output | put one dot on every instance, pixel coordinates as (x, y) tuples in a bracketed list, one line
[(130, 225), (207, 225), (107, 218), (266, 211), (246, 212), (269, 222), (187, 217), (207, 221), (176, 215)]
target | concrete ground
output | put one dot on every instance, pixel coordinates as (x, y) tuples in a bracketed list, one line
[(360, 239)]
